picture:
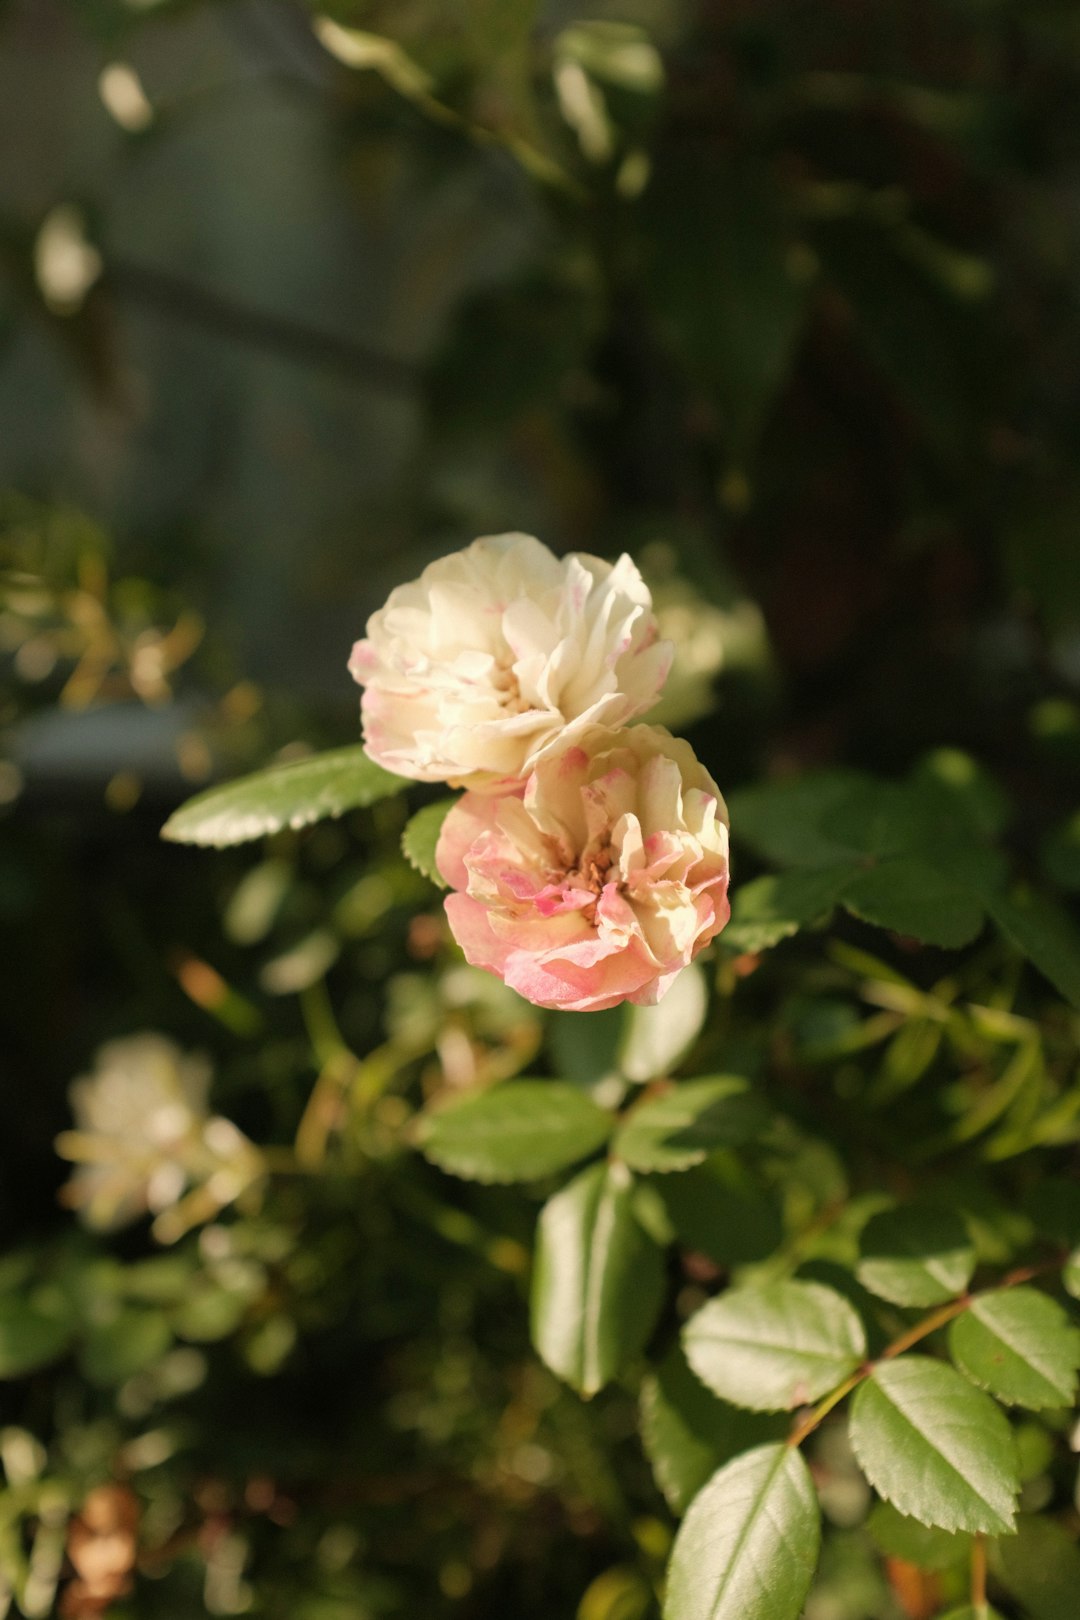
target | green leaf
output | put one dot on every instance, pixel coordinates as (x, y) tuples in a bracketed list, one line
[(115, 1350), (683, 1125), (597, 1282), (774, 907), (585, 1045), (937, 1449), (656, 1039), (908, 895), (977, 1611), (968, 791), (775, 1348), (1061, 854), (29, 1337), (519, 1131), (748, 1547), (688, 1434), (1020, 1345), (918, 1544), (421, 835), (789, 822), (1044, 934), (291, 795), (722, 1214), (1040, 1566), (915, 1256)]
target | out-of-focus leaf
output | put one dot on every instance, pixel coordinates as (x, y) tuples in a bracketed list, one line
[(774, 907), (1040, 1566), (907, 895), (30, 1337), (519, 1131), (291, 795), (915, 1543), (656, 1039), (748, 1547), (1044, 934), (1020, 1345), (937, 1449), (420, 837), (688, 1433), (772, 1349), (788, 822), (597, 1280), (133, 1339), (1061, 855), (683, 1125), (726, 1217)]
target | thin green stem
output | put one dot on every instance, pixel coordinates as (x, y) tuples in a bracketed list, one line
[(978, 1574), (914, 1335)]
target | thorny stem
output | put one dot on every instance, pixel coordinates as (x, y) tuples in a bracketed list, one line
[(913, 1335)]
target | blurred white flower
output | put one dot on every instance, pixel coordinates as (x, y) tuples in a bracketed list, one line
[(144, 1136), (502, 653)]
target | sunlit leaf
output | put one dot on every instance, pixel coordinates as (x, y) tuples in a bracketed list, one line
[(748, 1547), (597, 1279), (937, 1449), (291, 795), (775, 1348), (519, 1131), (1020, 1345), (916, 1256)]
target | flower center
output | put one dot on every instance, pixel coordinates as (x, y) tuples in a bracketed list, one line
[(507, 688), (593, 869)]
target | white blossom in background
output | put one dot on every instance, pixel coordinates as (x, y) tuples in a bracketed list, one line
[(499, 655), (144, 1138)]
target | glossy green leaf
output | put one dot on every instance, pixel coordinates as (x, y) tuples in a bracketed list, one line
[(597, 1280), (291, 795), (421, 835), (937, 1449), (29, 1337), (656, 1039), (774, 907), (518, 1131), (915, 1256), (908, 895), (775, 1348), (920, 1544), (1044, 934), (688, 1433), (1020, 1345), (683, 1125), (748, 1547), (1040, 1566)]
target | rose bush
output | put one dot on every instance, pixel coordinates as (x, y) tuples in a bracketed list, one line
[(600, 879), (501, 653)]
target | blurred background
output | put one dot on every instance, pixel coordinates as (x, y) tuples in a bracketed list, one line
[(784, 299)]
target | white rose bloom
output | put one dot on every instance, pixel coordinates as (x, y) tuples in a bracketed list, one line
[(143, 1134), (501, 653)]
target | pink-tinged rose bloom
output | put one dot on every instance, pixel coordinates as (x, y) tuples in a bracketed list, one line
[(501, 653), (598, 880)]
